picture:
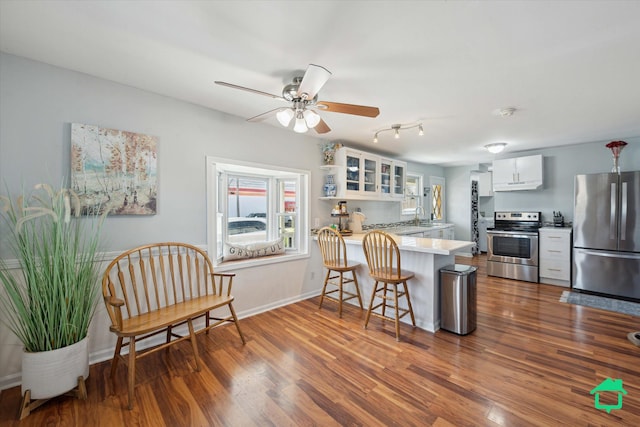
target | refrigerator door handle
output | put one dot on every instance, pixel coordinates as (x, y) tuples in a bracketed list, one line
[(609, 254), (612, 212), (623, 213)]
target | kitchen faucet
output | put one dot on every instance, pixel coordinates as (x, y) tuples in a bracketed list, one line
[(418, 210)]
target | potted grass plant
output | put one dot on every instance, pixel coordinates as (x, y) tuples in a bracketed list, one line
[(49, 298)]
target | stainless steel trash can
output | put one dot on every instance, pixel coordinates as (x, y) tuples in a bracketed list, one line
[(458, 310)]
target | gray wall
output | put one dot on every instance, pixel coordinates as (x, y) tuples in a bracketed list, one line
[(38, 102), (560, 165)]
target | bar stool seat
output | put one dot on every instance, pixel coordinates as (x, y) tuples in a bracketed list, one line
[(383, 259), (334, 258)]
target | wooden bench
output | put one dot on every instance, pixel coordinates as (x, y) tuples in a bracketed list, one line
[(155, 288)]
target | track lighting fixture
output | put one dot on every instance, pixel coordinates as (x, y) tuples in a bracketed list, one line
[(397, 128)]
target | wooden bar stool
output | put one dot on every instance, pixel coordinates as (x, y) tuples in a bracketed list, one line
[(334, 257), (383, 259)]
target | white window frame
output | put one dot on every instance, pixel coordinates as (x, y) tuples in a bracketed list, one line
[(216, 166), (418, 196)]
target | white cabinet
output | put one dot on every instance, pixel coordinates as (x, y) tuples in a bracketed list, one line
[(392, 178), (485, 184), (450, 233), (446, 232), (365, 176), (555, 256), (399, 178), (386, 178), (520, 173), (357, 174)]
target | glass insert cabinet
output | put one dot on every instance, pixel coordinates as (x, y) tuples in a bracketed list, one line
[(366, 176)]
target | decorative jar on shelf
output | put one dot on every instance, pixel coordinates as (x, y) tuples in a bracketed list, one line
[(330, 188), (329, 152)]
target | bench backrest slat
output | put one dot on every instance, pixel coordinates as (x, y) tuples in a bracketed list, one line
[(158, 275)]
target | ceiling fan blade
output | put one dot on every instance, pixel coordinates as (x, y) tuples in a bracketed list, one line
[(264, 116), (259, 92), (314, 78), (357, 110), (322, 127)]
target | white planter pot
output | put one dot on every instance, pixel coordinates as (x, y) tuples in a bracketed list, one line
[(52, 373)]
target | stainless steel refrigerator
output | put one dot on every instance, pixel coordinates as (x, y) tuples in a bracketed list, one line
[(606, 234)]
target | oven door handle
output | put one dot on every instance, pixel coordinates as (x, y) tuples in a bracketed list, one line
[(522, 234)]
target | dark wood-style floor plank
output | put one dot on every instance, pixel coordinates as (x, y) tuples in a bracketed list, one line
[(531, 362)]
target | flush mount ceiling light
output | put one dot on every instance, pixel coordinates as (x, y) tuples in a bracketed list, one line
[(507, 112), (397, 128), (496, 147)]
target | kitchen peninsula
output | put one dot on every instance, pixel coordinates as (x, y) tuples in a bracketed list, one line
[(422, 256)]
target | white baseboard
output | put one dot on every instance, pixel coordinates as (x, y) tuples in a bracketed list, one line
[(465, 254)]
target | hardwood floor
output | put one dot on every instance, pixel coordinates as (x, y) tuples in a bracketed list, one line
[(531, 361)]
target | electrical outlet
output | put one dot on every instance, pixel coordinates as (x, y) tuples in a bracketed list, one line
[(316, 222), (313, 275)]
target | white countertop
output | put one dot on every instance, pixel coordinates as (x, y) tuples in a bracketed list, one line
[(419, 244)]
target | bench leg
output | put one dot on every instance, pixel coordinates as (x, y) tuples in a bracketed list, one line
[(169, 331), (131, 374), (235, 320), (116, 357), (194, 344)]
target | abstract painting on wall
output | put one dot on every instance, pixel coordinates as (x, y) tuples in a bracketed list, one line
[(114, 170)]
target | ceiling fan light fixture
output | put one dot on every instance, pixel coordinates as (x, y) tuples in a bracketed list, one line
[(420, 130), (302, 93), (495, 148), (285, 116), (311, 118), (300, 126), (375, 138)]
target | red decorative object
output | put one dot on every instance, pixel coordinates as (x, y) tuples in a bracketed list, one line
[(616, 147)]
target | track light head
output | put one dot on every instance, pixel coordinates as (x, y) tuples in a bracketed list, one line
[(396, 128)]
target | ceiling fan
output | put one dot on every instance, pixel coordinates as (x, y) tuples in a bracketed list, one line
[(302, 94)]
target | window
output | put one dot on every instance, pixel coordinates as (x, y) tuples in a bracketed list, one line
[(412, 194), (252, 205), (437, 198)]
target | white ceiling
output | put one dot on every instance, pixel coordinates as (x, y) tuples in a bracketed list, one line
[(570, 68)]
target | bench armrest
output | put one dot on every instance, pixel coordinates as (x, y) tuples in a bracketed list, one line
[(116, 304), (222, 283)]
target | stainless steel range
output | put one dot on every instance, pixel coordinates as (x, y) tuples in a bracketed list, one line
[(512, 245)]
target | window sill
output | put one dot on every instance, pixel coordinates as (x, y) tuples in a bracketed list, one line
[(230, 266)]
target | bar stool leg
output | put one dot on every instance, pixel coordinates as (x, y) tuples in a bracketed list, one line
[(384, 300), (340, 295), (373, 296), (324, 288), (355, 282), (406, 294), (397, 310)]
